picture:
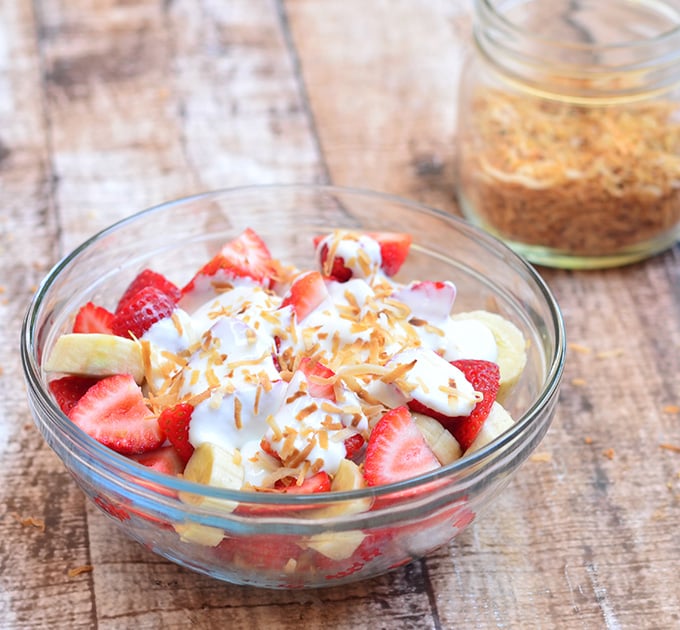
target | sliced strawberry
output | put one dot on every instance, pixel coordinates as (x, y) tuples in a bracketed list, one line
[(338, 271), (484, 376), (112, 509), (149, 278), (320, 482), (141, 311), (397, 450), (272, 552), (267, 448), (93, 319), (353, 445), (246, 256), (306, 293), (68, 390), (316, 374), (394, 248), (164, 460), (113, 412), (174, 422)]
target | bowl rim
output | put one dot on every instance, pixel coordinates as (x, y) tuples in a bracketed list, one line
[(142, 479)]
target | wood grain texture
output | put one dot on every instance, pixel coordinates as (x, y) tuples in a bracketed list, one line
[(108, 107)]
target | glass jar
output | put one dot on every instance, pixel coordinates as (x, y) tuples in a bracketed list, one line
[(569, 128)]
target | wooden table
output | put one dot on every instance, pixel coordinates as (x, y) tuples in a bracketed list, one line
[(108, 107)]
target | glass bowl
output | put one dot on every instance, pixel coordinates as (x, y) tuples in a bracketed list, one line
[(286, 540)]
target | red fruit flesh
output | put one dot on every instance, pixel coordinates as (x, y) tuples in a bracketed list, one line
[(113, 412), (320, 482), (246, 256), (93, 319), (306, 293), (174, 422), (68, 390), (163, 460), (149, 278), (484, 376), (317, 377), (394, 248), (396, 450), (141, 311), (338, 271)]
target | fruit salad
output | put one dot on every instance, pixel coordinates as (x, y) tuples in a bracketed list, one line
[(259, 376)]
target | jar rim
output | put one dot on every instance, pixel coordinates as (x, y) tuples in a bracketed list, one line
[(625, 67)]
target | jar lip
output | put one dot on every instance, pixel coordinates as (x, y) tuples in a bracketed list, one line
[(487, 8), (590, 72)]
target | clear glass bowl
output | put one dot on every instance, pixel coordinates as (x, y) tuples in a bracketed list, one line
[(294, 541)]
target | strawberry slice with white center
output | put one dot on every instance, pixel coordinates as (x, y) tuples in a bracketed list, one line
[(245, 258), (307, 292), (318, 378), (397, 450), (114, 413), (93, 319)]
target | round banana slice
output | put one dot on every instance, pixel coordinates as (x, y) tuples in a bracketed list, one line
[(512, 356), (444, 446), (213, 465)]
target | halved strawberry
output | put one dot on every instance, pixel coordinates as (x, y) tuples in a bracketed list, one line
[(91, 318), (113, 412), (141, 311), (396, 450), (394, 248), (319, 482), (306, 293), (164, 460), (149, 278), (246, 256), (174, 422), (317, 374), (68, 390), (484, 376)]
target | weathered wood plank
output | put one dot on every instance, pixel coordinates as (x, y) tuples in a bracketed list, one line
[(382, 83), (151, 101), (42, 529)]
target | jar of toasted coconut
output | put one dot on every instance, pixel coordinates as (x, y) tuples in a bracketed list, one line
[(569, 128)]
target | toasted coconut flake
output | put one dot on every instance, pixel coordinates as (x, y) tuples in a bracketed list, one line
[(306, 412), (238, 407), (277, 433), (396, 373)]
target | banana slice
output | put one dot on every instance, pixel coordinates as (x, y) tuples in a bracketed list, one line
[(214, 465), (336, 545), (95, 354), (498, 421), (511, 344), (444, 446), (199, 534)]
